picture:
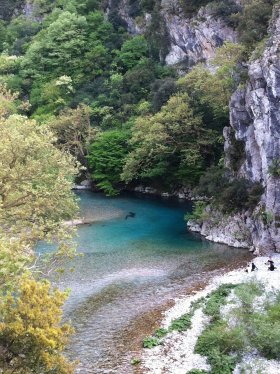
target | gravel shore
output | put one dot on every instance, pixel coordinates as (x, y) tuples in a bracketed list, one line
[(176, 354)]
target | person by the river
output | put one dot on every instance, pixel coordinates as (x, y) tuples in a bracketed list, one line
[(251, 267), (270, 264)]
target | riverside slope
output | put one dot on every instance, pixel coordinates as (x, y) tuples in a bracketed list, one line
[(176, 353), (255, 120)]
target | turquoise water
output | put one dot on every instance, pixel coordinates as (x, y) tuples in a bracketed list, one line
[(130, 267)]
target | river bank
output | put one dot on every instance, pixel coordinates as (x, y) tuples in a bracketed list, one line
[(130, 272), (175, 354)]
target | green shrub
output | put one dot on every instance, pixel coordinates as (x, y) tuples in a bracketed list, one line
[(234, 197), (236, 152), (7, 7), (253, 21), (191, 6), (230, 196), (259, 49), (216, 299), (197, 371), (265, 335), (217, 342), (225, 9), (221, 363), (197, 303), (148, 5), (247, 292), (135, 361), (218, 336), (255, 192), (151, 341), (198, 212), (274, 168), (160, 333), (223, 345), (262, 329), (267, 217), (181, 324), (155, 339)]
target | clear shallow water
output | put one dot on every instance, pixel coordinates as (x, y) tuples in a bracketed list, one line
[(130, 267)]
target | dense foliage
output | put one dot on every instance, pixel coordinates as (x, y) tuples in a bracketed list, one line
[(229, 195), (75, 85), (97, 85), (31, 333), (35, 196)]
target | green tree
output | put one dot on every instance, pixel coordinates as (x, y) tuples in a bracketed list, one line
[(19, 33), (171, 145), (35, 180), (63, 48), (133, 51), (32, 337), (51, 97), (3, 32), (209, 96), (107, 158), (253, 21), (36, 197), (7, 102), (74, 132)]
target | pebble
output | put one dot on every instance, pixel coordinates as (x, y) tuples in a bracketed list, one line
[(176, 355)]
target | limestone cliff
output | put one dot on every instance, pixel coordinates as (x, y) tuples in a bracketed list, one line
[(255, 120), (190, 40)]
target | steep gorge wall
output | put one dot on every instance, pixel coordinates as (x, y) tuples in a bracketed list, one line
[(190, 39), (255, 120)]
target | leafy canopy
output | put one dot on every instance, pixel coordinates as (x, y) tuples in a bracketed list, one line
[(32, 337)]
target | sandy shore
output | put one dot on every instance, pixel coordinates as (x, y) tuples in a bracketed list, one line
[(99, 215), (176, 356)]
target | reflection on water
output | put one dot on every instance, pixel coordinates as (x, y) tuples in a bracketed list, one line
[(129, 268)]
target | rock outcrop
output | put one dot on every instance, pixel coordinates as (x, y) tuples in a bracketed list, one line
[(255, 121), (190, 39), (195, 40)]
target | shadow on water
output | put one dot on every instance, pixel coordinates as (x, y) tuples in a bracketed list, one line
[(131, 270)]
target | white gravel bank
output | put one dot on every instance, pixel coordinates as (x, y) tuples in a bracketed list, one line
[(176, 355)]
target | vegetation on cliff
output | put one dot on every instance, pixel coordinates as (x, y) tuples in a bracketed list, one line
[(64, 56)]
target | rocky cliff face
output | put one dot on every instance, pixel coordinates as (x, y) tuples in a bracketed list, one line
[(195, 40), (190, 40), (255, 120)]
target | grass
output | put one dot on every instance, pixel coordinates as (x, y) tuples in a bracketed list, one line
[(180, 324), (160, 333), (223, 343), (218, 341), (151, 341), (216, 299)]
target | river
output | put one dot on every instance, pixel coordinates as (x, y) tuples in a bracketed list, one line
[(130, 271)]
